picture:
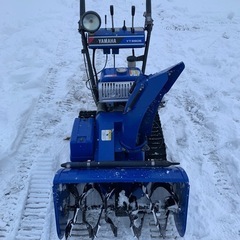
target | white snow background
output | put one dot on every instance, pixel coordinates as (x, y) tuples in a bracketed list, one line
[(42, 89)]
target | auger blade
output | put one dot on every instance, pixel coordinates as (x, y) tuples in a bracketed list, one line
[(136, 224)]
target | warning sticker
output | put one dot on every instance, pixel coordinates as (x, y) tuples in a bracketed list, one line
[(106, 135)]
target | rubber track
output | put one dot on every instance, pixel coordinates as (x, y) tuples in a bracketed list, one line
[(156, 143), (38, 203)]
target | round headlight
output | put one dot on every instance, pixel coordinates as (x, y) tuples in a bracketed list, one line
[(91, 21)]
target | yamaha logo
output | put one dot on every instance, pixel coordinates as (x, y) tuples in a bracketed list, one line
[(107, 41)]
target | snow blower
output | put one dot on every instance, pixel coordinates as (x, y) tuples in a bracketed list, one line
[(118, 166)]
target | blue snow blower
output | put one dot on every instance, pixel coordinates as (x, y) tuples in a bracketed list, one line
[(118, 166)]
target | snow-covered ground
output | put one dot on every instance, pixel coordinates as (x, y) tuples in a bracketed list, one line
[(42, 89)]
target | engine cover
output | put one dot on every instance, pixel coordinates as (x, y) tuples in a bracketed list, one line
[(82, 139), (115, 84)]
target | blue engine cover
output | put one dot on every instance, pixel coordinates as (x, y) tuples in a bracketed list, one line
[(82, 139), (120, 74)]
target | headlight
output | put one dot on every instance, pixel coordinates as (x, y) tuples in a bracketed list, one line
[(91, 21)]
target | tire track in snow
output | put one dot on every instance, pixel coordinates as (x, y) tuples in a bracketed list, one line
[(149, 230), (37, 205), (201, 133), (30, 188), (205, 161), (35, 219)]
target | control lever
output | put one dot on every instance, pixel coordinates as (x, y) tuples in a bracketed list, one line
[(105, 21), (133, 14), (124, 28), (113, 30), (112, 13), (148, 7)]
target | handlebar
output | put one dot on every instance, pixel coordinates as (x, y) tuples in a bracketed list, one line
[(148, 7)]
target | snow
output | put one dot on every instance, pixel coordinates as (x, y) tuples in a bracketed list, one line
[(42, 90)]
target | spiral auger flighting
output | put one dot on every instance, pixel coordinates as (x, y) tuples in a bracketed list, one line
[(91, 209), (118, 167)]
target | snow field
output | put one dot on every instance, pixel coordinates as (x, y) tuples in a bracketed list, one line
[(41, 88)]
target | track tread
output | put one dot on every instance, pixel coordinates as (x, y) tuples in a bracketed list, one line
[(157, 147)]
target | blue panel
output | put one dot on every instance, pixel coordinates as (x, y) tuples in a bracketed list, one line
[(60, 196), (106, 38), (143, 104), (82, 139), (171, 175), (120, 74), (125, 177), (180, 218), (105, 140)]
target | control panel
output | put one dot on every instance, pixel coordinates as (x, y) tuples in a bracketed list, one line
[(119, 38)]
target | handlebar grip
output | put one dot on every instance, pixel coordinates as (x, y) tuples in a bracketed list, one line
[(148, 7), (111, 10), (82, 7), (133, 10)]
